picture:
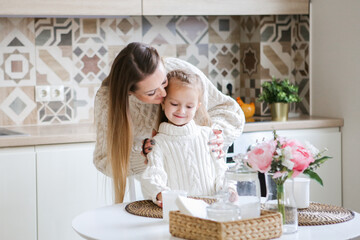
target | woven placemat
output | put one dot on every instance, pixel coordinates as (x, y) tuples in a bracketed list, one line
[(323, 214), (146, 208)]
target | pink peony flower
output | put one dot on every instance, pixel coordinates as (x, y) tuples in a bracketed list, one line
[(260, 157), (301, 157)]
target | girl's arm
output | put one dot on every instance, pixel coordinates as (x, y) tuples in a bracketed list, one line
[(154, 178)]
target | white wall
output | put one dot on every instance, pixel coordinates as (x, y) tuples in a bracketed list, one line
[(335, 80)]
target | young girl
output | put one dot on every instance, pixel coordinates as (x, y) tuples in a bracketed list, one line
[(181, 158)]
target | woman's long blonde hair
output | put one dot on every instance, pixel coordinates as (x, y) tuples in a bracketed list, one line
[(134, 63)]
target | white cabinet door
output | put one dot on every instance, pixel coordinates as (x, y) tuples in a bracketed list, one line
[(68, 184), (17, 193), (330, 172), (70, 7), (224, 7)]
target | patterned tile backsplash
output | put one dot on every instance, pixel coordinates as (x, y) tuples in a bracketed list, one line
[(77, 53)]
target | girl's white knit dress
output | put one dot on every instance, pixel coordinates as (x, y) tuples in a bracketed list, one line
[(181, 160)]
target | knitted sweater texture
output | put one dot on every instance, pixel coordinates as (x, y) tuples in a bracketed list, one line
[(225, 113), (181, 160)]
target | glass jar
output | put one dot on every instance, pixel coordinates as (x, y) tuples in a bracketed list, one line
[(243, 186)]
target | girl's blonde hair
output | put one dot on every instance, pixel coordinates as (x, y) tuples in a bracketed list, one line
[(134, 63), (194, 81)]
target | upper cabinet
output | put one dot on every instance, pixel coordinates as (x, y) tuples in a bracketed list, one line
[(151, 7), (70, 7), (225, 7)]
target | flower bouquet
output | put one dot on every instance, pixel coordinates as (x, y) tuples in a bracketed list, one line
[(284, 158)]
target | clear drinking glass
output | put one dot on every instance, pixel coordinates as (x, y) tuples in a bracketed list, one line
[(169, 201)]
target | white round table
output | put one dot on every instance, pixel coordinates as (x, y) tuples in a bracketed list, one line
[(114, 222)]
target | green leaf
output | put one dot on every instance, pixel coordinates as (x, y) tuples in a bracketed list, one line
[(320, 161), (313, 175)]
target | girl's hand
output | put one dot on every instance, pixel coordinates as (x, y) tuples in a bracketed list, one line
[(233, 195), (217, 143), (159, 200)]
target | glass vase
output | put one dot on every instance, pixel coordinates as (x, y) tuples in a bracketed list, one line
[(282, 200)]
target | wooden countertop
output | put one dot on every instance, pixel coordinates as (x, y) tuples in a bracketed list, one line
[(303, 122), (52, 134), (74, 133)]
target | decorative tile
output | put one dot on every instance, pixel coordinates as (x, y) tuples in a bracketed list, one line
[(17, 31), (17, 106), (276, 59), (90, 63), (300, 61), (53, 31), (192, 30), (17, 66), (57, 112), (249, 29), (249, 91), (250, 60), (197, 55), (54, 65), (122, 31), (165, 50), (78, 106), (158, 30), (88, 31), (224, 29), (224, 64), (300, 74), (304, 93), (17, 52), (276, 28), (301, 28), (84, 103)]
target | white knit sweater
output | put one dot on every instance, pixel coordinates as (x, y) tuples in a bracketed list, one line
[(225, 113), (181, 160)]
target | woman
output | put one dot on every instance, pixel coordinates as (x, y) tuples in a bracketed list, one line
[(127, 105)]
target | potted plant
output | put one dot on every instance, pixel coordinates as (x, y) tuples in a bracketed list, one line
[(279, 93)]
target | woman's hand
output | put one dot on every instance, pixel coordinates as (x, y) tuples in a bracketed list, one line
[(217, 143), (147, 147), (147, 144), (159, 200)]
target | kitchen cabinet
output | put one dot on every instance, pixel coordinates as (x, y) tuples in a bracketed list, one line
[(42, 188), (151, 7), (225, 7), (17, 193), (67, 185), (70, 7), (321, 138)]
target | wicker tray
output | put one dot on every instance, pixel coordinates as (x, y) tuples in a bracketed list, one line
[(323, 214), (267, 226)]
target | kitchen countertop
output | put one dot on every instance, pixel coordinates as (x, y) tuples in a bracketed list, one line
[(74, 133)]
